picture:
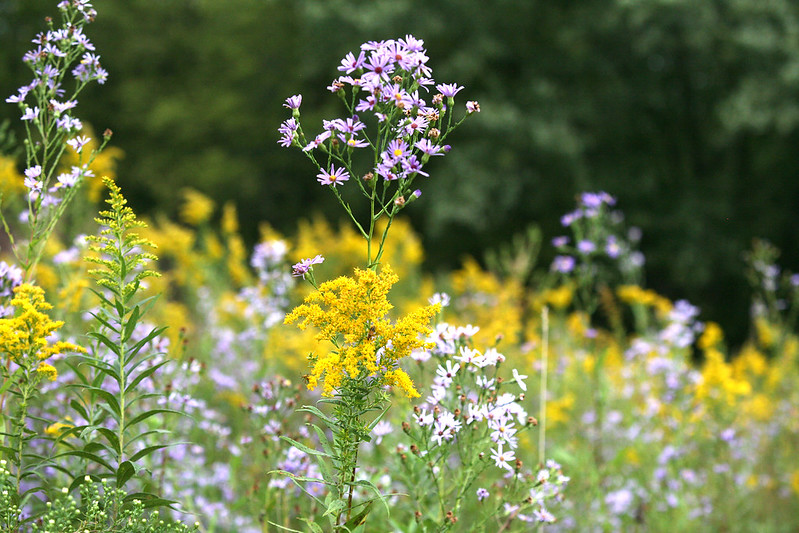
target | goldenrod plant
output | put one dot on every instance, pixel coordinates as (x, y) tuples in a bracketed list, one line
[(116, 436)]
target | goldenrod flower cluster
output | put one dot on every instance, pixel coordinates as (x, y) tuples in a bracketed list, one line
[(197, 208), (23, 337), (351, 313), (633, 294)]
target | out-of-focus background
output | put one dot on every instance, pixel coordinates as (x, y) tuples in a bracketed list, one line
[(687, 112)]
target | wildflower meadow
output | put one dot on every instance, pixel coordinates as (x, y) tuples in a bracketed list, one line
[(160, 375)]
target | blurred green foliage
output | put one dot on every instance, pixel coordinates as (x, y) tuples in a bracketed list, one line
[(686, 111)]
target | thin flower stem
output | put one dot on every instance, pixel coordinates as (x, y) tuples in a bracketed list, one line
[(542, 433)]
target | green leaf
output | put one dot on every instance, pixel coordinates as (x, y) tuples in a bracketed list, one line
[(133, 319), (93, 457), (283, 527), (335, 507), (314, 526), (145, 374), (124, 472), (359, 519), (316, 411), (147, 414), (147, 451), (136, 348), (369, 484), (75, 404), (303, 447), (11, 380), (105, 323), (111, 437), (106, 341), (109, 398), (323, 440)]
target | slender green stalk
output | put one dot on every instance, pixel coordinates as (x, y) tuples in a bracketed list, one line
[(542, 429)]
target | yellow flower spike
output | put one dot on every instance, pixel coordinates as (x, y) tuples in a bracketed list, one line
[(23, 337), (197, 208), (47, 370), (351, 313)]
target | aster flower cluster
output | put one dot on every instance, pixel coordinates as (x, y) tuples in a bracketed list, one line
[(385, 89), (599, 249), (10, 276), (775, 290), (60, 54), (467, 432)]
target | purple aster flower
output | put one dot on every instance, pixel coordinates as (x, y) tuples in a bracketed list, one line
[(293, 102), (317, 142), (418, 124), (396, 150), (68, 179), (569, 218), (78, 143), (353, 142), (351, 125), (350, 63), (333, 177), (378, 67), (563, 263), (304, 266), (542, 515), (612, 247), (586, 246), (449, 89), (31, 113), (413, 44), (482, 494), (560, 241), (428, 147), (386, 169), (367, 105), (33, 172), (795, 280), (412, 165), (287, 130), (396, 94), (59, 107), (68, 123), (417, 193), (596, 199), (401, 56)]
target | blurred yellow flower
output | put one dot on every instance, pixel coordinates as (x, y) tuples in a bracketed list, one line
[(11, 181), (196, 208)]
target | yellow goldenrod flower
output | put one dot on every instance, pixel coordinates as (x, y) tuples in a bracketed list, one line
[(197, 208), (23, 337), (351, 313), (711, 337), (47, 371)]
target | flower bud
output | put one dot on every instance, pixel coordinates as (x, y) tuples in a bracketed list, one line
[(531, 421)]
